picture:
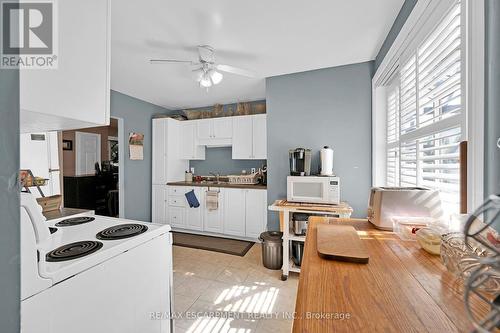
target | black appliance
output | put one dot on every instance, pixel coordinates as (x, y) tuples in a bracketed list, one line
[(300, 161)]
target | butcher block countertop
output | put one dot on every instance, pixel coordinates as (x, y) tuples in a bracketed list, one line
[(220, 184), (401, 289)]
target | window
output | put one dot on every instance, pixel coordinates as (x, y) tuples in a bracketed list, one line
[(424, 113)]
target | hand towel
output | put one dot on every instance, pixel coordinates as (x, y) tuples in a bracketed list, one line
[(212, 200)]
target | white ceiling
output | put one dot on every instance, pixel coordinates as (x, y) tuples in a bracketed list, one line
[(269, 37)]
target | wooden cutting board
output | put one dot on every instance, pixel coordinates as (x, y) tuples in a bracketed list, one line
[(340, 242)]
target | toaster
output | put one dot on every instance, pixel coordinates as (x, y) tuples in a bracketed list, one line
[(386, 202)]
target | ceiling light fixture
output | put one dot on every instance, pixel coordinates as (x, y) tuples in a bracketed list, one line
[(215, 76), (205, 81)]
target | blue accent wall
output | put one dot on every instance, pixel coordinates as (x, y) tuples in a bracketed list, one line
[(332, 107), (219, 160), (400, 20), (136, 115), (9, 201)]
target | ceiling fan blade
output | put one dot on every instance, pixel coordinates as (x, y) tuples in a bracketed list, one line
[(236, 70), (170, 61)]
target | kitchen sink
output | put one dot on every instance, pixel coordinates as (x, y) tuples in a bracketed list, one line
[(213, 182)]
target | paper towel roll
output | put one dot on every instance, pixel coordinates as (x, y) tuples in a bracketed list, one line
[(326, 157)]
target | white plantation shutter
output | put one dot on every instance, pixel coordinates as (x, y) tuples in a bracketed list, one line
[(408, 109), (393, 137), (424, 127)]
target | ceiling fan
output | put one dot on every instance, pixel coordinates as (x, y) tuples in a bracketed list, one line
[(206, 70)]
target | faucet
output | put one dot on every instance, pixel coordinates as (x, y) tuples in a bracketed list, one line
[(217, 176)]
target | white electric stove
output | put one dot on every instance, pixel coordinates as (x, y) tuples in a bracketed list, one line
[(89, 273)]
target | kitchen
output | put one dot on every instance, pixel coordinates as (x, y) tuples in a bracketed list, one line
[(248, 172)]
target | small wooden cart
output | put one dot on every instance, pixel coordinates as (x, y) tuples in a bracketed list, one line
[(286, 209)]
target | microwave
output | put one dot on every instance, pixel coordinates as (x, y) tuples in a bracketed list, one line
[(313, 189)]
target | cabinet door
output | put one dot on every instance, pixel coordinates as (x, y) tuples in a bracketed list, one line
[(213, 219), (234, 212), (256, 213), (83, 34), (159, 204), (204, 129), (187, 141), (242, 138), (159, 159), (194, 215), (259, 135), (222, 128), (176, 217)]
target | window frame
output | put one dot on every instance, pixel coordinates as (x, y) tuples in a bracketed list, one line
[(424, 18)]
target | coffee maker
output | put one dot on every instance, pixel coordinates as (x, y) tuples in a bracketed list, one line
[(300, 162)]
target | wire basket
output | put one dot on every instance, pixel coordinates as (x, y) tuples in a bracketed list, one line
[(250, 179), (482, 228)]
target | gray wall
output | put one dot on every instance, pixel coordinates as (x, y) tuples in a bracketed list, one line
[(9, 201), (400, 20), (137, 115), (330, 106), (220, 160), (492, 115)]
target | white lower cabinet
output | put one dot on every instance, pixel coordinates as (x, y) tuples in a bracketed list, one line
[(176, 216), (159, 198), (212, 219), (255, 212), (240, 213), (234, 212), (194, 218), (180, 214)]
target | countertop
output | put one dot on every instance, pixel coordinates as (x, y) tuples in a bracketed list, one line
[(64, 212), (228, 185), (401, 289)]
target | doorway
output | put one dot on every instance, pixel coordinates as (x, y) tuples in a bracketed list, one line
[(92, 167)]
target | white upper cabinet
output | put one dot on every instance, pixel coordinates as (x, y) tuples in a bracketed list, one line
[(214, 132), (242, 138), (76, 93), (204, 129), (159, 162), (190, 150), (167, 164), (187, 141), (222, 128), (259, 135), (249, 137)]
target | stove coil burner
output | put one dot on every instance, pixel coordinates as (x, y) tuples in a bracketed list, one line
[(121, 231), (75, 221), (73, 251)]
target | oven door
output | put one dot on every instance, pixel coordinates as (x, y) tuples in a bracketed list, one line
[(307, 189)]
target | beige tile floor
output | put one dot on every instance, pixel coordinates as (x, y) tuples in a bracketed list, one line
[(217, 292)]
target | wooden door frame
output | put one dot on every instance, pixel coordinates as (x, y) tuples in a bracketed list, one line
[(121, 167)]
